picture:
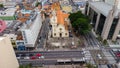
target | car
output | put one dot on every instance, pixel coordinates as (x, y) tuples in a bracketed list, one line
[(38, 55), (18, 56), (33, 57), (99, 56), (27, 57), (41, 57), (118, 55), (23, 55)]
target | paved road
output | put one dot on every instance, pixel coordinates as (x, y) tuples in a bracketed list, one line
[(57, 54), (91, 40), (43, 34), (50, 57), (38, 62)]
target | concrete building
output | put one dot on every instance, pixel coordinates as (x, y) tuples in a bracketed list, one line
[(105, 18), (30, 32), (7, 57), (23, 31)]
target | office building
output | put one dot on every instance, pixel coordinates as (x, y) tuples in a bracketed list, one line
[(105, 18)]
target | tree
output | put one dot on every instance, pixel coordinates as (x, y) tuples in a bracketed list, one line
[(81, 25), (1, 6), (105, 42), (80, 22), (26, 66), (75, 16), (38, 3), (90, 65)]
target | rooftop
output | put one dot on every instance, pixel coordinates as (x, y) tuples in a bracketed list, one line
[(7, 12), (61, 17), (107, 7)]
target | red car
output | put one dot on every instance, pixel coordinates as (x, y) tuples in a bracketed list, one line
[(33, 57), (38, 55), (118, 55)]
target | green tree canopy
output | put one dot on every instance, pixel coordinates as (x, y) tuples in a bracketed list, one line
[(80, 22), (90, 66), (1, 6), (38, 3), (74, 16), (81, 25), (26, 66)]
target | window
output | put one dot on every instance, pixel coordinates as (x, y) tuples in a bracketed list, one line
[(54, 34), (65, 33), (60, 29)]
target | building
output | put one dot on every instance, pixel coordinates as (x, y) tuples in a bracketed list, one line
[(31, 30), (2, 26), (59, 22), (65, 6), (106, 21), (7, 57), (23, 31), (7, 14), (8, 3)]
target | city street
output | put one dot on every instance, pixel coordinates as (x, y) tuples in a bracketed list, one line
[(43, 34), (56, 54), (91, 40), (51, 57)]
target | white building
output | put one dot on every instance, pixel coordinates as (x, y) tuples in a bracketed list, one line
[(59, 24), (7, 54), (30, 32)]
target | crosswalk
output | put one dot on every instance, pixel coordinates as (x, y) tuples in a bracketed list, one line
[(88, 56), (109, 57)]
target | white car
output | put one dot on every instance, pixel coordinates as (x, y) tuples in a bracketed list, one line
[(26, 57), (18, 57), (41, 57)]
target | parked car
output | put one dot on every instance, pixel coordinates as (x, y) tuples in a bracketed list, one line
[(18, 56)]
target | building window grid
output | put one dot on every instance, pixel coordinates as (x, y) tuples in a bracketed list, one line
[(112, 29)]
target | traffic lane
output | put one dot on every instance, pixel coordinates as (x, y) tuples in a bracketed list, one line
[(43, 52), (63, 56), (38, 62), (43, 33), (53, 54), (58, 54)]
